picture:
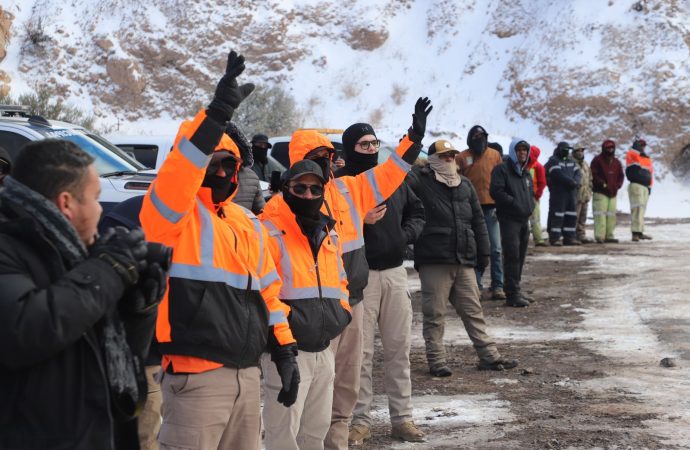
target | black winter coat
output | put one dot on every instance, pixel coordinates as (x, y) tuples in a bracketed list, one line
[(386, 241), (454, 232), (513, 191), (54, 391)]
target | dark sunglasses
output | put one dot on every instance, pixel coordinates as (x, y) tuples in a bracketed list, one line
[(301, 189), (229, 166), (366, 144)]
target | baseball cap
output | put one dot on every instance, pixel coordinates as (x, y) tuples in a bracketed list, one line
[(441, 146)]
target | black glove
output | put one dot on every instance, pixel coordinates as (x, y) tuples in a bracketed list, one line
[(421, 110), (148, 292), (229, 95), (276, 183), (482, 262), (285, 359), (124, 250)]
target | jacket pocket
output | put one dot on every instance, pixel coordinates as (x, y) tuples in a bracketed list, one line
[(470, 245)]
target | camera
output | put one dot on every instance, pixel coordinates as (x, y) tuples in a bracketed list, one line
[(159, 254)]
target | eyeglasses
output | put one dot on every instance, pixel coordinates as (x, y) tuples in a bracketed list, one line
[(365, 144), (301, 189)]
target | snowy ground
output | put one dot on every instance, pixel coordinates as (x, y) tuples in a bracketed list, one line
[(634, 314)]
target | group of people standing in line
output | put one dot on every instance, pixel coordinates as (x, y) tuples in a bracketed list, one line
[(291, 296)]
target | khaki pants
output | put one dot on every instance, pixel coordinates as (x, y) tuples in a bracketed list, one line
[(387, 302), (639, 196), (347, 349), (581, 219), (535, 222), (149, 421), (604, 212), (302, 426), (442, 283), (218, 409)]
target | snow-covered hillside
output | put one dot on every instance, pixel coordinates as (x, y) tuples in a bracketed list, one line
[(546, 70)]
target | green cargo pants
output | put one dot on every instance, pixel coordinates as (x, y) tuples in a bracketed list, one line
[(639, 195), (604, 212)]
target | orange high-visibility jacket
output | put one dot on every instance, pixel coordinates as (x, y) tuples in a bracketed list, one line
[(348, 199), (315, 287), (638, 168), (223, 285)]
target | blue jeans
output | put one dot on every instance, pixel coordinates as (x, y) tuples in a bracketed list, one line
[(495, 242)]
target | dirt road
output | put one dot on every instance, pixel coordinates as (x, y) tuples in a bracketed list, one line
[(589, 351)]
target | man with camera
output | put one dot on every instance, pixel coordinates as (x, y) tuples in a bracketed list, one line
[(76, 314), (222, 300)]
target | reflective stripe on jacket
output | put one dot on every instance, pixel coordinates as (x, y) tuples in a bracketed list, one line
[(315, 291), (223, 287), (349, 198)]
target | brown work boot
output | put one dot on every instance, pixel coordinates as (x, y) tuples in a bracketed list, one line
[(645, 236), (407, 431), (611, 240), (358, 434), (636, 237), (498, 294)]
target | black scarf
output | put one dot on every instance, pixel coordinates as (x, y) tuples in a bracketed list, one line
[(120, 363)]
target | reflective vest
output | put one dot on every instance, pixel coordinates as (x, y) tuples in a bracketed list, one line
[(315, 289), (349, 198), (223, 285)]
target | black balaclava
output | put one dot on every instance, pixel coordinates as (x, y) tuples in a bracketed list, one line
[(221, 187), (562, 150), (639, 145), (477, 146), (356, 162), (260, 154), (302, 207)]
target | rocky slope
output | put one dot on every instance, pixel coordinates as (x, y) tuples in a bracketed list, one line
[(580, 70)]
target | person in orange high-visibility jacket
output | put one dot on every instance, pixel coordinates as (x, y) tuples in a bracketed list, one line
[(221, 309), (347, 199), (305, 247), (640, 174)]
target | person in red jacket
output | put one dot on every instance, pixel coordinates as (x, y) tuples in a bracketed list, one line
[(536, 169), (607, 178)]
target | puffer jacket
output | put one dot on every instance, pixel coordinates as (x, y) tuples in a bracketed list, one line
[(54, 390), (314, 280), (511, 187), (347, 199), (638, 168), (454, 231), (249, 193)]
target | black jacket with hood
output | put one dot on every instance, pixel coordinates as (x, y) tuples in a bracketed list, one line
[(454, 231), (512, 186)]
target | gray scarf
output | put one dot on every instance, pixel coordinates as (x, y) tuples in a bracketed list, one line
[(119, 360), (446, 172)]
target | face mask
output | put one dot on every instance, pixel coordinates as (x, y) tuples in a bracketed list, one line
[(325, 164), (302, 206), (361, 162), (221, 187), (609, 151), (260, 154), (478, 145), (561, 153)]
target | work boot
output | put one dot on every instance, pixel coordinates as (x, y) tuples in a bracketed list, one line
[(636, 237), (527, 297), (358, 434), (408, 432), (555, 242), (572, 241), (585, 240), (541, 244), (600, 241), (516, 302), (611, 241), (645, 236), (441, 371), (499, 364), (498, 294)]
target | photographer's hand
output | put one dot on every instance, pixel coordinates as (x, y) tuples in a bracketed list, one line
[(124, 250)]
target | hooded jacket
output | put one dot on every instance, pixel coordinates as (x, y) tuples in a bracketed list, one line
[(607, 174), (512, 187), (222, 298), (454, 230), (314, 286), (347, 199), (478, 168), (536, 169)]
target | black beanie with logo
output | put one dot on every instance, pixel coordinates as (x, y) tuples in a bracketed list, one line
[(355, 161)]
